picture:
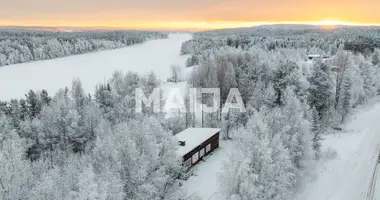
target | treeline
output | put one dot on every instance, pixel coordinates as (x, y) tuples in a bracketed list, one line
[(364, 45), (77, 146), (310, 39), (291, 104), (19, 46)]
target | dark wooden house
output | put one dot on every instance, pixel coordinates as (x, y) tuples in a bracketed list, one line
[(196, 143)]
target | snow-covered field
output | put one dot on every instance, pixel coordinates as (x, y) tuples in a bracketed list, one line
[(92, 68)]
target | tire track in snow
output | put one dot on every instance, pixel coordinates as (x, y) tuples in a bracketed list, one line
[(373, 182)]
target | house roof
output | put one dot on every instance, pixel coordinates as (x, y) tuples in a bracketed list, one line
[(314, 55), (193, 138)]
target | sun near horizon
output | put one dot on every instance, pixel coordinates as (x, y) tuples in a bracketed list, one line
[(187, 14)]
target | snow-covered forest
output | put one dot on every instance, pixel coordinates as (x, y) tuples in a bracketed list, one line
[(307, 40), (74, 145), (291, 101), (19, 46)]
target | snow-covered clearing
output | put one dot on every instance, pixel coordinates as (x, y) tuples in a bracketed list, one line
[(347, 176), (92, 68), (204, 183)]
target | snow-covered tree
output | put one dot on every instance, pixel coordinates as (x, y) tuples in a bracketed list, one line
[(376, 57), (34, 103), (87, 185), (342, 61), (367, 78), (297, 136), (318, 128), (345, 97), (321, 93), (16, 177), (286, 75), (177, 73), (78, 95), (260, 168)]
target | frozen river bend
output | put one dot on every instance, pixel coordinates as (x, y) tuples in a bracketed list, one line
[(92, 68)]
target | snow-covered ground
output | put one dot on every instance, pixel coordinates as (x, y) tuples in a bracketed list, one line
[(347, 176), (92, 68), (204, 183), (375, 193)]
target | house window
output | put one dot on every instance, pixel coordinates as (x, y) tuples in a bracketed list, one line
[(208, 148), (195, 157), (201, 153), (187, 163)]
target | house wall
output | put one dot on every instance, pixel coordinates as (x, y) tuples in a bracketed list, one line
[(214, 144)]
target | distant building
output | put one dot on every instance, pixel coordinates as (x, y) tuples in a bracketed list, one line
[(312, 56), (195, 143)]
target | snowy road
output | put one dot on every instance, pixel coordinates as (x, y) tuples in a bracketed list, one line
[(374, 189), (92, 68), (348, 176)]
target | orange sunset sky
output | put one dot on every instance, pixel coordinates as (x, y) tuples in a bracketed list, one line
[(186, 14)]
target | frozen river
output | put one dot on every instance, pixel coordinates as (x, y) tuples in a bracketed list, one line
[(91, 68)]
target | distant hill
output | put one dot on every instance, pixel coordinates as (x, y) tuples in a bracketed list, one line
[(277, 27)]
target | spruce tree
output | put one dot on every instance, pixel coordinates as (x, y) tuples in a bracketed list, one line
[(34, 104), (321, 91), (376, 57), (45, 98)]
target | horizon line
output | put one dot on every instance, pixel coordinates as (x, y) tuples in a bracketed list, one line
[(194, 26)]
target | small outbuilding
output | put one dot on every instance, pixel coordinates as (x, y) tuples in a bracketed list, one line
[(312, 56), (315, 56), (196, 143)]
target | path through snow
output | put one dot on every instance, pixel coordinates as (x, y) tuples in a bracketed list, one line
[(205, 182)]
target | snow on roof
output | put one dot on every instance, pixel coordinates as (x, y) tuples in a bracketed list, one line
[(314, 55), (193, 138)]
